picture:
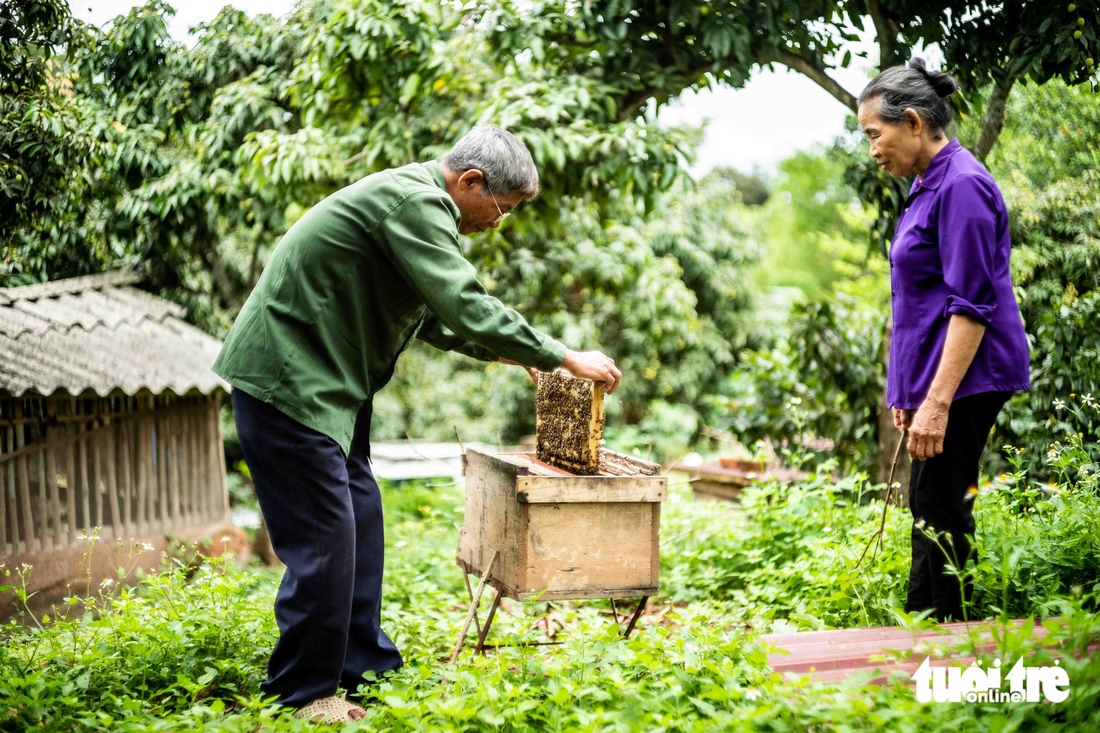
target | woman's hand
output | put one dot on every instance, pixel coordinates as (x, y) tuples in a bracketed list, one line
[(593, 365), (928, 429), (902, 419), (532, 371)]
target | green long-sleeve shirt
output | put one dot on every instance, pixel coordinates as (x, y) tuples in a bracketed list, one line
[(360, 275)]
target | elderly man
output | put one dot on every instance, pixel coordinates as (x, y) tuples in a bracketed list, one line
[(350, 285)]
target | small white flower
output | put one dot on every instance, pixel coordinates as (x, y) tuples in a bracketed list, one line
[(752, 694), (796, 400), (1087, 399), (107, 583), (147, 547), (897, 484), (82, 536), (921, 524), (400, 543), (1059, 404), (759, 444), (225, 539), (25, 567)]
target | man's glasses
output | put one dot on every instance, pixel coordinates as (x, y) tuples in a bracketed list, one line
[(502, 216)]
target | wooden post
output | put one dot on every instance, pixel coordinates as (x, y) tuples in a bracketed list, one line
[(180, 444), (43, 500), (126, 471), (207, 458), (82, 466), (55, 493), (219, 448), (197, 474), (174, 467), (70, 477), (162, 468), (23, 486), (5, 482), (142, 466), (95, 445), (111, 465), (51, 475)]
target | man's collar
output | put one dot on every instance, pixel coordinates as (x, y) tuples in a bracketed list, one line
[(937, 168), (436, 172)]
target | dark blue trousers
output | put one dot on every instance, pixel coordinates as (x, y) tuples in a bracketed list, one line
[(324, 514)]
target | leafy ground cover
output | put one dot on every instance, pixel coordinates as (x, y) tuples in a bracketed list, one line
[(179, 653)]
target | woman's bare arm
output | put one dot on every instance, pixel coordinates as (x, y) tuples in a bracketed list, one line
[(964, 335)]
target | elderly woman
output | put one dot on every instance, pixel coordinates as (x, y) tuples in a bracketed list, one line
[(959, 348)]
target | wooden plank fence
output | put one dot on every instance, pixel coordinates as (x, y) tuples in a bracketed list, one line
[(133, 466)]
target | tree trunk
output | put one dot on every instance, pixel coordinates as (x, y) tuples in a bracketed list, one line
[(208, 249), (888, 436), (995, 116)]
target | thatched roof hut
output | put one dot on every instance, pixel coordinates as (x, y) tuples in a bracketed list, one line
[(109, 417)]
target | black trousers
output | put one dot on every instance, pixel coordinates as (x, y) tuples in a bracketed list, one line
[(938, 495), (324, 514)]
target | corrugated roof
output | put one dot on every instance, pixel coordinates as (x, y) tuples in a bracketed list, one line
[(97, 333)]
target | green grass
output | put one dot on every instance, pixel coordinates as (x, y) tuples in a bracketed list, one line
[(175, 654)]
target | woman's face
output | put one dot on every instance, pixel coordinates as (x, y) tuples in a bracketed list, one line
[(896, 147)]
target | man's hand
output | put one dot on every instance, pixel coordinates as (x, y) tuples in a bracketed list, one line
[(902, 419), (928, 429), (593, 365), (530, 370)]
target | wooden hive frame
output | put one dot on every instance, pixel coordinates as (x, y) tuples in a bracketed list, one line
[(569, 422)]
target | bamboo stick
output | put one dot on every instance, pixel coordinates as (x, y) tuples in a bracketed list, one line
[(210, 434), (174, 470), (219, 445), (24, 486), (162, 475), (125, 475), (43, 503), (56, 537), (111, 467), (194, 445), (142, 457), (70, 485), (5, 481), (95, 444), (82, 466)]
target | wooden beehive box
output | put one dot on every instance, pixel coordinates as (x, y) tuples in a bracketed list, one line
[(562, 536)]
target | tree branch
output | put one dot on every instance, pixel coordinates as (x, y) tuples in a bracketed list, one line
[(634, 103), (887, 49), (803, 66), (208, 250), (994, 120)]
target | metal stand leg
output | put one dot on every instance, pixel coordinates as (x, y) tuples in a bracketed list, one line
[(634, 618), (473, 609)]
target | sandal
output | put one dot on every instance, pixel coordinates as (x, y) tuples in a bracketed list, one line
[(328, 709)]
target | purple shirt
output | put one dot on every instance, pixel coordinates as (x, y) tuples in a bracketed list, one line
[(950, 254)]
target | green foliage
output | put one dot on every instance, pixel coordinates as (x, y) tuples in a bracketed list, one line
[(1050, 183), (185, 649), (823, 380)]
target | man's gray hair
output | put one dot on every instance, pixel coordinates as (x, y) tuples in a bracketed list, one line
[(500, 156)]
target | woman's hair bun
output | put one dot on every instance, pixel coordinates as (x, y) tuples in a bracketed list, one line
[(943, 84)]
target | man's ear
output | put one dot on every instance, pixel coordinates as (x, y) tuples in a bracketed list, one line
[(470, 178)]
